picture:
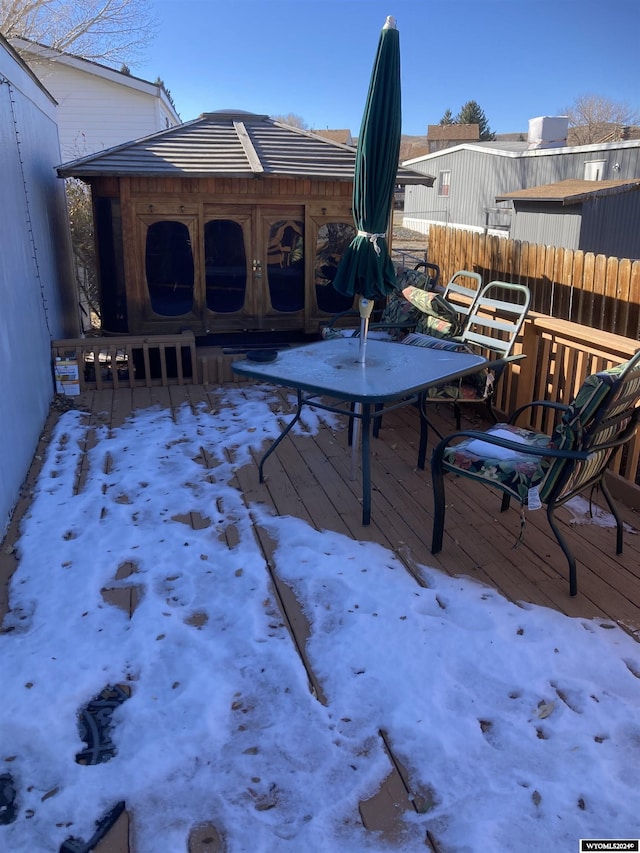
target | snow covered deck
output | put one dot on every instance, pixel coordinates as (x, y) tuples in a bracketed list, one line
[(308, 478)]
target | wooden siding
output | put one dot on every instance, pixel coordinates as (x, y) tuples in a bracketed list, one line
[(592, 290), (192, 201)]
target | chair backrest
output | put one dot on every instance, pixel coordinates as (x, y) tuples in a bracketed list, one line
[(462, 290), (432, 274), (602, 416), (496, 317)]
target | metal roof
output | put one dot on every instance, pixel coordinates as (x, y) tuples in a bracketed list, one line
[(570, 191), (229, 144)]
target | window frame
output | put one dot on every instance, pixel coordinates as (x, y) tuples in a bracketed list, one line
[(444, 183)]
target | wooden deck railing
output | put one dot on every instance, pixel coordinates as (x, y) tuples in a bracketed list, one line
[(131, 361), (559, 355), (593, 290)]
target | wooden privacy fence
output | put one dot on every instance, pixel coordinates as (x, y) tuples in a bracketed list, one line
[(593, 290)]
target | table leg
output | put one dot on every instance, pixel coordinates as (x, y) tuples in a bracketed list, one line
[(424, 432), (295, 418), (366, 463)]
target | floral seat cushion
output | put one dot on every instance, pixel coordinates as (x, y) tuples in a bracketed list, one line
[(399, 312), (437, 317), (515, 472)]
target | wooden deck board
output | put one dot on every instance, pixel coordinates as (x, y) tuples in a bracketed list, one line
[(309, 477)]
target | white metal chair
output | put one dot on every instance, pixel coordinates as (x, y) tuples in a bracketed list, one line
[(493, 323)]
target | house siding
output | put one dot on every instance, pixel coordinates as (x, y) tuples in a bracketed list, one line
[(611, 226), (604, 225), (559, 225), (35, 267), (480, 174), (94, 114)]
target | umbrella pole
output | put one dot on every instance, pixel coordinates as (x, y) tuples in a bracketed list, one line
[(365, 307), (355, 440)]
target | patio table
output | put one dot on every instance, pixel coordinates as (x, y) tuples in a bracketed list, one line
[(392, 374)]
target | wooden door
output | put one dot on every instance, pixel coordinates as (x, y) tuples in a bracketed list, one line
[(254, 267)]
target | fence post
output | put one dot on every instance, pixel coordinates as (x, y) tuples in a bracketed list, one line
[(526, 379)]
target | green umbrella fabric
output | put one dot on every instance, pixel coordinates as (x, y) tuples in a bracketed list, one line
[(365, 267)]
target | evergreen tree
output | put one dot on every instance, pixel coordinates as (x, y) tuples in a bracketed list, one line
[(447, 118), (471, 113)]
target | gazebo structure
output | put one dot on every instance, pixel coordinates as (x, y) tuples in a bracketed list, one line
[(233, 222)]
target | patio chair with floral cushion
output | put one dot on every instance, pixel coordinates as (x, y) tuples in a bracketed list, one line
[(460, 293), (536, 468), (418, 305), (492, 326)]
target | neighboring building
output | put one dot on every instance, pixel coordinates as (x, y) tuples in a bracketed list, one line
[(98, 107), (342, 136), (470, 179), (35, 268), (587, 215), (412, 147), (242, 234), (441, 136)]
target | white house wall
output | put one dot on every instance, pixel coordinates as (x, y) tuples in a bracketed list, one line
[(95, 113), (35, 268)]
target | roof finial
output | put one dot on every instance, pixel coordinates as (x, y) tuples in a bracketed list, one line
[(390, 23)]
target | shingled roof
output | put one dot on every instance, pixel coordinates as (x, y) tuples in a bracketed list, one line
[(570, 191), (229, 144)]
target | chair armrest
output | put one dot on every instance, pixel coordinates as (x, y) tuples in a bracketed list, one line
[(507, 359), (542, 404), (337, 317), (518, 446), (350, 314), (500, 363), (381, 326)]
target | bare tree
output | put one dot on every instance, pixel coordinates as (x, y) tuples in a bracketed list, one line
[(292, 120), (110, 31), (593, 118), (84, 256)]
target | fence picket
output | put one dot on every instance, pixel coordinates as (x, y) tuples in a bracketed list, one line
[(596, 291)]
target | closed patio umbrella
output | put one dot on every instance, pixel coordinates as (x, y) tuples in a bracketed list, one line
[(366, 268)]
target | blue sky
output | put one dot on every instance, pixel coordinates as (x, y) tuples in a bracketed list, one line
[(517, 58)]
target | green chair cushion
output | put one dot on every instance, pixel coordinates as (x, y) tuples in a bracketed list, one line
[(437, 316)]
